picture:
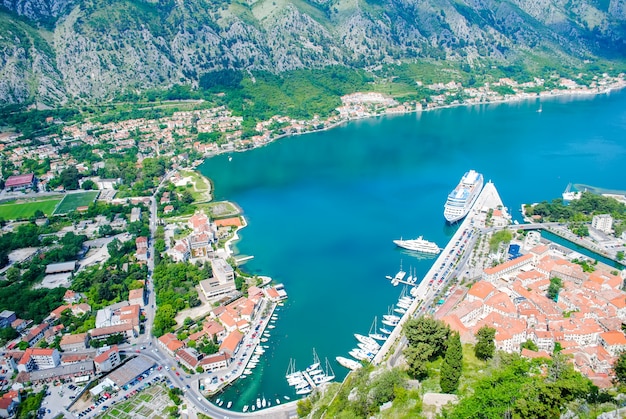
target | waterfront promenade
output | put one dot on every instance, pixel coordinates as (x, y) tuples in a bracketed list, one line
[(448, 264)]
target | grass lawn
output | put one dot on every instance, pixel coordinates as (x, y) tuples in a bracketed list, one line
[(74, 200), (198, 185), (23, 209)]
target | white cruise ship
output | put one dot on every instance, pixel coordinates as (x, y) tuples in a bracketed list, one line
[(418, 245), (461, 199)]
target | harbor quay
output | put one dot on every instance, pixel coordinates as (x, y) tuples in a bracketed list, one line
[(216, 382), (448, 264)]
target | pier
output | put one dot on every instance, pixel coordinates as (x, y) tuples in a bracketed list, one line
[(446, 264)]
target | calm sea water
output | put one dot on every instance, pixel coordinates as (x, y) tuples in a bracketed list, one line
[(324, 208)]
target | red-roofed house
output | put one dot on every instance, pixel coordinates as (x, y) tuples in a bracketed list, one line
[(481, 290), (76, 342), (107, 360), (135, 297), (501, 303), (613, 341), (620, 305), (36, 334), (20, 182), (141, 242), (214, 329), (508, 267), (230, 345), (39, 359), (8, 407), (170, 343)]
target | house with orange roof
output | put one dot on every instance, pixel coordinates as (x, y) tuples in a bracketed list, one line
[(76, 342), (230, 345), (72, 297), (501, 303), (107, 360), (36, 334), (181, 251), (8, 407), (527, 353), (199, 221), (74, 358), (227, 320), (515, 328), (39, 359), (135, 297), (456, 325), (539, 251), (468, 312), (198, 335), (530, 277), (582, 331), (620, 305), (170, 343), (504, 341), (613, 341), (141, 242), (507, 268), (480, 291), (214, 330)]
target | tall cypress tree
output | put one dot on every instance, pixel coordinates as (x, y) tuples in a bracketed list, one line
[(452, 365)]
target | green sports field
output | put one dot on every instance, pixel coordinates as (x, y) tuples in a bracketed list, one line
[(21, 209), (72, 201)]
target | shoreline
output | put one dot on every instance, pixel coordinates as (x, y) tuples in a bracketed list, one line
[(518, 97)]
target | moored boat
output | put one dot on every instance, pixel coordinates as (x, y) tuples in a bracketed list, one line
[(348, 363), (462, 198), (418, 245), (367, 340), (385, 330)]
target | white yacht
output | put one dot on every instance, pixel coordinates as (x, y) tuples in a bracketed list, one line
[(418, 245)]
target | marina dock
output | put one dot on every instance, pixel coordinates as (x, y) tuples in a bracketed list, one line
[(445, 265)]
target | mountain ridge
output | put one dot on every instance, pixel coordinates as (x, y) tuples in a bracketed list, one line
[(57, 52)]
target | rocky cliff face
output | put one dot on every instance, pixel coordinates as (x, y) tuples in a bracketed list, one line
[(91, 49)]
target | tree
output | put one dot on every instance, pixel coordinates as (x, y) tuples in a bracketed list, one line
[(554, 288), (89, 185), (620, 368), (452, 364), (429, 331), (69, 178), (485, 347), (530, 345)]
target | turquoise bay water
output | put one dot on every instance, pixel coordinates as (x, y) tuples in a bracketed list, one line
[(323, 208)]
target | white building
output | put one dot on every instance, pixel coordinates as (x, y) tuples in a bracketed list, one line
[(602, 222)]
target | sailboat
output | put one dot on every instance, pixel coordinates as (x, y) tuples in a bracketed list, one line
[(373, 333), (539, 110), (314, 368), (327, 376)]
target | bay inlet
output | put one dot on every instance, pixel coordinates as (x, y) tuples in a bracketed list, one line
[(323, 208)]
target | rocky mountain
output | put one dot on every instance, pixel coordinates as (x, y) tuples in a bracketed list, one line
[(54, 51)]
